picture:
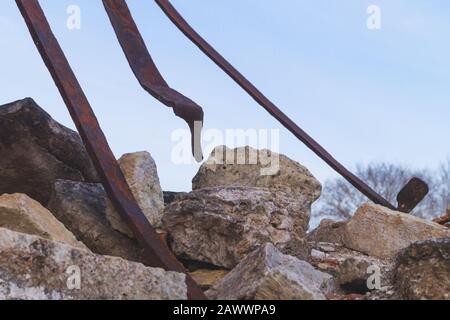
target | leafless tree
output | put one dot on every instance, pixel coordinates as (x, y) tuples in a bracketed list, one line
[(340, 200), (443, 185)]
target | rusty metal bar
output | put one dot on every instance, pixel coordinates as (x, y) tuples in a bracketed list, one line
[(410, 196), (157, 254), (270, 107), (147, 73)]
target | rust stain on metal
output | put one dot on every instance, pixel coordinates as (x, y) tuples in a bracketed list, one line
[(156, 252), (270, 107), (147, 72)]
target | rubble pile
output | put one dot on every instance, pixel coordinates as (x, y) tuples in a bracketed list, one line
[(242, 232)]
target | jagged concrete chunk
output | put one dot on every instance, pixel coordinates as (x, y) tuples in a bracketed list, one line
[(248, 167), (267, 274), (35, 150), (20, 213), (141, 174), (32, 268), (222, 225), (81, 207), (422, 270)]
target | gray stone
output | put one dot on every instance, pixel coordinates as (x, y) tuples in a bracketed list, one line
[(248, 167), (267, 274), (377, 231), (35, 150), (81, 207), (222, 225), (328, 231), (422, 270), (46, 270), (170, 196), (141, 175)]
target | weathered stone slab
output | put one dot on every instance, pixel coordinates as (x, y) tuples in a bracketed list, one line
[(381, 232), (35, 151), (222, 225), (32, 268), (248, 167), (20, 213), (81, 207), (141, 175)]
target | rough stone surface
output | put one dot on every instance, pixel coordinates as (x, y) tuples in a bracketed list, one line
[(423, 270), (141, 174), (81, 207), (354, 274), (35, 150), (170, 196), (207, 278), (267, 274), (328, 231), (222, 225), (46, 270), (248, 167), (20, 213), (351, 269), (380, 232)]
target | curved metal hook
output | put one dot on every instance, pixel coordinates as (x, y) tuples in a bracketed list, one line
[(147, 73)]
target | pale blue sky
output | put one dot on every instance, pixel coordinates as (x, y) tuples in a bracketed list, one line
[(365, 95)]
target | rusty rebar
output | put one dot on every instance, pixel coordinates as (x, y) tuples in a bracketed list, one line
[(270, 107), (157, 254)]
